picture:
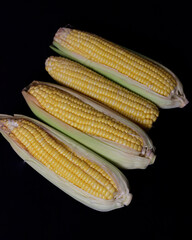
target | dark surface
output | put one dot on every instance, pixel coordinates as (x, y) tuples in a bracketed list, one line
[(30, 206)]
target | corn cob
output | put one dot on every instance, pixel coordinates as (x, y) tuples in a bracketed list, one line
[(88, 82), (131, 70), (74, 169), (91, 123)]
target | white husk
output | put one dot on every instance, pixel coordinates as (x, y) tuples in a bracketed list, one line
[(123, 157), (122, 198)]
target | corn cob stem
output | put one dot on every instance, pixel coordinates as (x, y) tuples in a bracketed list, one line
[(70, 166)]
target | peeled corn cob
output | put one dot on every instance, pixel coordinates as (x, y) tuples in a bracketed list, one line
[(88, 82), (74, 169), (91, 123), (131, 70)]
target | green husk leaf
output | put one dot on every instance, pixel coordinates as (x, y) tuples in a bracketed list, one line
[(122, 198), (118, 154)]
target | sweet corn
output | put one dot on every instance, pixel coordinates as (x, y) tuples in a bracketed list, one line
[(95, 126), (131, 70), (88, 82), (70, 166)]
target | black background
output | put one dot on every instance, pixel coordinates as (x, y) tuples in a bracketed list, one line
[(30, 206)]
